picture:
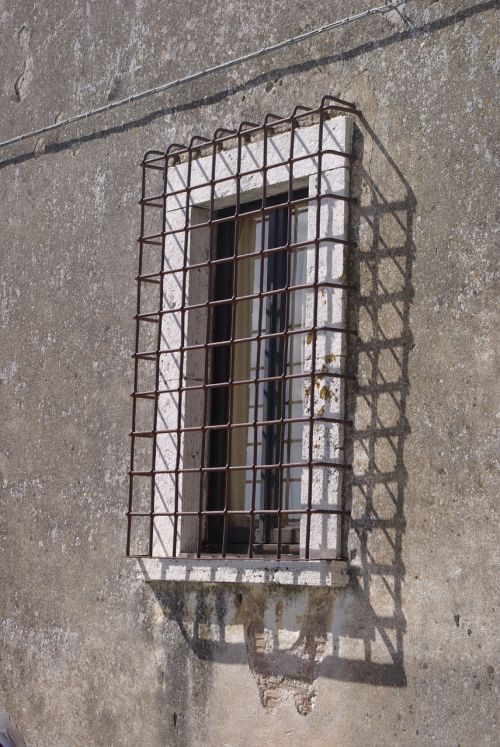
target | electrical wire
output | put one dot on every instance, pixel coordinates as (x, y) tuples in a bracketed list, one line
[(385, 8)]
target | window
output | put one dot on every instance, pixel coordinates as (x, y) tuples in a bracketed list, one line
[(242, 379)]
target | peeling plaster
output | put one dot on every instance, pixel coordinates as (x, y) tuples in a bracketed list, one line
[(286, 671)]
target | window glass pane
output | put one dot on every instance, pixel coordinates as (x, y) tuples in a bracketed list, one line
[(245, 366), (295, 365), (269, 315)]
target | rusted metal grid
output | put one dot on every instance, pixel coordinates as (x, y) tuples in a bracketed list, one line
[(152, 274)]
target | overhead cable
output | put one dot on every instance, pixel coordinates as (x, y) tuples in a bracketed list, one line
[(385, 8)]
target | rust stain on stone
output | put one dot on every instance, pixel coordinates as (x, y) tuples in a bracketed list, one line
[(325, 393)]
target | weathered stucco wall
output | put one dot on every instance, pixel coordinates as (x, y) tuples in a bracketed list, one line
[(408, 654)]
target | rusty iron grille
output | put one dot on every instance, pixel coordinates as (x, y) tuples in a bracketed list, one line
[(223, 459)]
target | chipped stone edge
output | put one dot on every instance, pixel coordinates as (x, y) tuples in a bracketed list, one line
[(325, 573)]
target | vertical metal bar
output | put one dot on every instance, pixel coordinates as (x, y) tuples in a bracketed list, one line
[(185, 270), (158, 348), (136, 363), (207, 351), (258, 339), (283, 384), (314, 327), (344, 517), (232, 347)]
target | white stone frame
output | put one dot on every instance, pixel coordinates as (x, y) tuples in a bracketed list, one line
[(328, 438)]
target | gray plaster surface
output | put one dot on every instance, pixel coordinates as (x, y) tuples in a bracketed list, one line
[(408, 654)]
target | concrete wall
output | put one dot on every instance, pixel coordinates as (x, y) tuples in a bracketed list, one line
[(408, 654)]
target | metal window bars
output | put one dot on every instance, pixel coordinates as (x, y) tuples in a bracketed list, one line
[(169, 509)]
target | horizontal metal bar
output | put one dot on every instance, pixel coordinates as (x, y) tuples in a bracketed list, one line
[(249, 424), (188, 228), (237, 340), (239, 468), (257, 380), (148, 201), (153, 316), (256, 512), (251, 255)]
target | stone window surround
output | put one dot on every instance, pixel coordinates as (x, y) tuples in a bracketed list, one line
[(322, 568)]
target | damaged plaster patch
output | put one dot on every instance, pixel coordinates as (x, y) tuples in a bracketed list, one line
[(285, 655), (283, 635), (23, 82)]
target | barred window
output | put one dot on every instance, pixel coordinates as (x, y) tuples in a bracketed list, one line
[(239, 402)]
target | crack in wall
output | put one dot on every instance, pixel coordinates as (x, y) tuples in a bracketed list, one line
[(24, 80)]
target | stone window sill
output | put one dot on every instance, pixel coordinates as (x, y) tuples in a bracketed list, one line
[(325, 573)]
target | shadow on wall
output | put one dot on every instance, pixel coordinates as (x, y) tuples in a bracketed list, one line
[(369, 625), (291, 636)]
